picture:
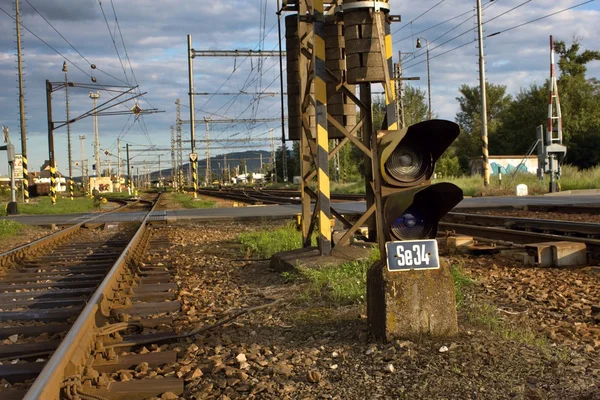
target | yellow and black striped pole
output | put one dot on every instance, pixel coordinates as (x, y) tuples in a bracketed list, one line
[(195, 176), (71, 187), (321, 122), (25, 181), (53, 184), (390, 92)]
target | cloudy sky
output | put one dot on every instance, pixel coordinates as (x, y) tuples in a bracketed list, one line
[(143, 42)]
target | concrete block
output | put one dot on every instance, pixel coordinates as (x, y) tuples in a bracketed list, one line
[(556, 254), (456, 242), (522, 190), (309, 257), (410, 304)]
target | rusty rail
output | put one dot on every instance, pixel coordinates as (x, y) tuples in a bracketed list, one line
[(25, 250), (71, 357)]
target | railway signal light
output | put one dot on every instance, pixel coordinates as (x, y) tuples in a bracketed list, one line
[(412, 206)]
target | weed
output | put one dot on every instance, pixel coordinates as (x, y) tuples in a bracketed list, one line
[(188, 201), (460, 281), (9, 228), (265, 243), (63, 205)]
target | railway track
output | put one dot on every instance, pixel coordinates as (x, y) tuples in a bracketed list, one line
[(523, 230), (269, 196), (73, 306)]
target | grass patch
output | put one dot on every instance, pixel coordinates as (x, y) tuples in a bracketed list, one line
[(188, 201), (43, 205), (265, 243), (9, 228), (339, 284), (487, 316), (460, 281), (342, 284)]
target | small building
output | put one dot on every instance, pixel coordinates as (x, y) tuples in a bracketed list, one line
[(45, 175), (504, 164)]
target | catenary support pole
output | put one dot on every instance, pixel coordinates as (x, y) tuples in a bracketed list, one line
[(192, 115), (484, 133)]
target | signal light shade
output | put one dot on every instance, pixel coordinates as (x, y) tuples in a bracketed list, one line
[(407, 156), (413, 214)]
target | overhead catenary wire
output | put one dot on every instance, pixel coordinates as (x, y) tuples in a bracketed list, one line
[(70, 44), (419, 16), (499, 32)]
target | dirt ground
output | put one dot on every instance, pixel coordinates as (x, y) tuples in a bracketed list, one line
[(28, 234), (525, 333)]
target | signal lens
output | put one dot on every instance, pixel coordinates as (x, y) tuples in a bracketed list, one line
[(412, 226), (407, 164)]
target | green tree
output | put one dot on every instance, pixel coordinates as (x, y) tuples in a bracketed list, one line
[(570, 62), (469, 119), (525, 113), (292, 160), (415, 105)]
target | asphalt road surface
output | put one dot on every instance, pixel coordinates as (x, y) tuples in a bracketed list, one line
[(286, 211)]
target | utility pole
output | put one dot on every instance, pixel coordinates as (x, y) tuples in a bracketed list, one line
[(119, 164), (178, 126), (208, 166), (283, 147), (194, 162), (95, 97), (65, 70), (22, 106), (51, 155), (173, 157), (273, 158), (484, 133), (128, 170), (159, 172), (83, 181)]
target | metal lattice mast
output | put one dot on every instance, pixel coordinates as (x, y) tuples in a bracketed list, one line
[(95, 97), (273, 158), (553, 103), (207, 177), (173, 164), (83, 180)]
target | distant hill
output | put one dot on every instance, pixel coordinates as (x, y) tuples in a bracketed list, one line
[(233, 160)]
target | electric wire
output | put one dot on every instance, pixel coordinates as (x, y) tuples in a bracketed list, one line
[(419, 16), (502, 31), (70, 44)]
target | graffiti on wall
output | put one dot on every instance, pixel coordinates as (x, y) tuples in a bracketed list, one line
[(508, 168)]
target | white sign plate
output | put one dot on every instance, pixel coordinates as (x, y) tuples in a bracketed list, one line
[(193, 156), (18, 166), (412, 255)]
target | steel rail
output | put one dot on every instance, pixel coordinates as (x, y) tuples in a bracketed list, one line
[(529, 224), (75, 349), (517, 236), (22, 251)]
